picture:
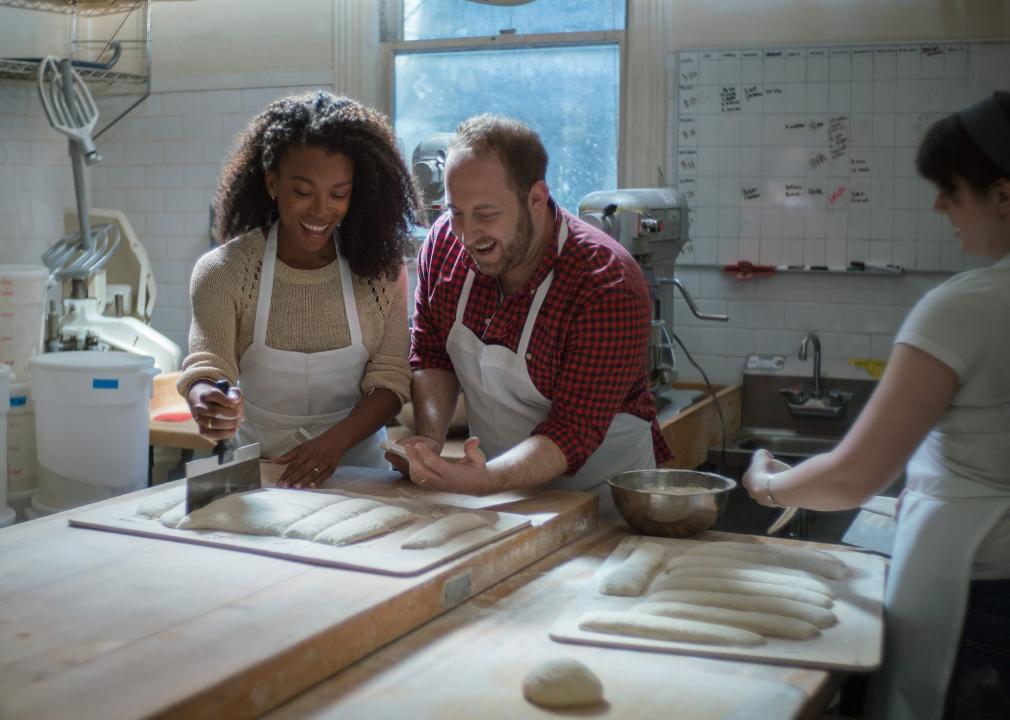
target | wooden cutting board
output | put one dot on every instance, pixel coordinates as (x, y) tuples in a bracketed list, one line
[(854, 643), (381, 554), (105, 625)]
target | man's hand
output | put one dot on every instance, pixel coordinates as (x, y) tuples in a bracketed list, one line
[(311, 463), (469, 475), (217, 415), (402, 464)]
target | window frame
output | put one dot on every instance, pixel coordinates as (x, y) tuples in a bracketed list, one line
[(391, 44)]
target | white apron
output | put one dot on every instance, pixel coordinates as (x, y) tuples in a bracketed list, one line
[(285, 390), (941, 524), (503, 405)]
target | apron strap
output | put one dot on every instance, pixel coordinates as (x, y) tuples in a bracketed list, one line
[(350, 306), (463, 297), (267, 283)]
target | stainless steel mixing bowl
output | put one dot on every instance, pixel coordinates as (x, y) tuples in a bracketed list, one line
[(662, 502)]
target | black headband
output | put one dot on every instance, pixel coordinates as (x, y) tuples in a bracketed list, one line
[(989, 126)]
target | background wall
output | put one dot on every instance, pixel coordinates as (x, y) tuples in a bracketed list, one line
[(217, 62)]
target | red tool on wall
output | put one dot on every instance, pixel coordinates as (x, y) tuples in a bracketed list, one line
[(745, 270)]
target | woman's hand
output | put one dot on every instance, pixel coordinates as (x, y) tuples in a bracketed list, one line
[(312, 462), (756, 480), (217, 415)]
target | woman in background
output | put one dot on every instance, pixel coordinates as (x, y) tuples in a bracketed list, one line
[(304, 308), (942, 407)]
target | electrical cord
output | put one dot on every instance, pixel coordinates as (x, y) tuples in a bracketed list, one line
[(711, 392)]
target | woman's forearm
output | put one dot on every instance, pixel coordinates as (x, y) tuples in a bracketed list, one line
[(371, 413)]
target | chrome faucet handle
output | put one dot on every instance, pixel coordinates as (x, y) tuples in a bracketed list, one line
[(794, 396), (838, 398)]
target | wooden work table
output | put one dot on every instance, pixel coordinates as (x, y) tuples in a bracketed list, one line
[(470, 662), (104, 625)]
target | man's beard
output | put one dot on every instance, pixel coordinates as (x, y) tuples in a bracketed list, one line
[(518, 250)]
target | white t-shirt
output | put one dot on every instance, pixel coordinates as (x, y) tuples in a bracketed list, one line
[(965, 324)]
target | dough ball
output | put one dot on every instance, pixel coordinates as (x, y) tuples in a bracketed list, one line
[(562, 683)]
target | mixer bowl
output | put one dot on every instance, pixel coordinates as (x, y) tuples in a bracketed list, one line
[(670, 503)]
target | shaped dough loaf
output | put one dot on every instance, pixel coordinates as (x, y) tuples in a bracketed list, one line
[(709, 561), (813, 561), (743, 587), (443, 529), (778, 626), (631, 577), (154, 506), (258, 512), (562, 683), (763, 576), (752, 603), (662, 628), (379, 521), (308, 527)]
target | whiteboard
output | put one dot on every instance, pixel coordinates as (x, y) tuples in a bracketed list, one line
[(804, 156)]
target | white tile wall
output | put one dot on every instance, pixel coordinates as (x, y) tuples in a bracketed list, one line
[(36, 181), (855, 316), (161, 168), (161, 164)]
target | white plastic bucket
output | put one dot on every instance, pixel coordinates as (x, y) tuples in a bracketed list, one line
[(22, 460), (22, 313), (91, 425), (5, 381)]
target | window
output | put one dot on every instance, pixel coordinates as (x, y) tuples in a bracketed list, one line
[(461, 58)]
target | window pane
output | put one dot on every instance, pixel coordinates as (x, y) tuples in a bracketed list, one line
[(436, 19), (569, 95)]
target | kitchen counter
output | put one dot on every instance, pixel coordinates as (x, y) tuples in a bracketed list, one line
[(470, 662)]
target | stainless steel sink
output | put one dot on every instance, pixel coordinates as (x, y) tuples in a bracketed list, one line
[(787, 445), (779, 443)]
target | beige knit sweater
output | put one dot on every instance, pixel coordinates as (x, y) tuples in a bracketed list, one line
[(306, 315)]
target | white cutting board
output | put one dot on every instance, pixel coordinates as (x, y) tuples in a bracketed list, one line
[(382, 554), (855, 643)]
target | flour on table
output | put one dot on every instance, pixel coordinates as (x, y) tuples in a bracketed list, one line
[(442, 530), (632, 576), (379, 521), (663, 628), (562, 683)]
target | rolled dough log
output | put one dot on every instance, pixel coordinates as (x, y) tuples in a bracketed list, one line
[(268, 511), (440, 531), (308, 527), (661, 628), (777, 626), (833, 569), (379, 521), (743, 587), (773, 578), (752, 603), (172, 517), (688, 560), (562, 683), (631, 577)]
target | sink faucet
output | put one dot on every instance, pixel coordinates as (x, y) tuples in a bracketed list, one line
[(811, 337)]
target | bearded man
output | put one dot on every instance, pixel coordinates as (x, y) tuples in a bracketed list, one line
[(543, 322)]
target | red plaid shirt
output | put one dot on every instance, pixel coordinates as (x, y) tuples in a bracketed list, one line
[(587, 351)]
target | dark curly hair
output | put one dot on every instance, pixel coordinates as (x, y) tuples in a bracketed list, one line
[(385, 201)]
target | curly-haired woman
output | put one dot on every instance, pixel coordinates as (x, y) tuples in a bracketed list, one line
[(304, 308)]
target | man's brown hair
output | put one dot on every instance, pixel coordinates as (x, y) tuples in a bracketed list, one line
[(517, 147)]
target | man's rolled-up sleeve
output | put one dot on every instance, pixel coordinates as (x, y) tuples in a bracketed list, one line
[(603, 357)]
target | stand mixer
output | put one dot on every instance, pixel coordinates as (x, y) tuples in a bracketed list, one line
[(92, 265), (652, 224)]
